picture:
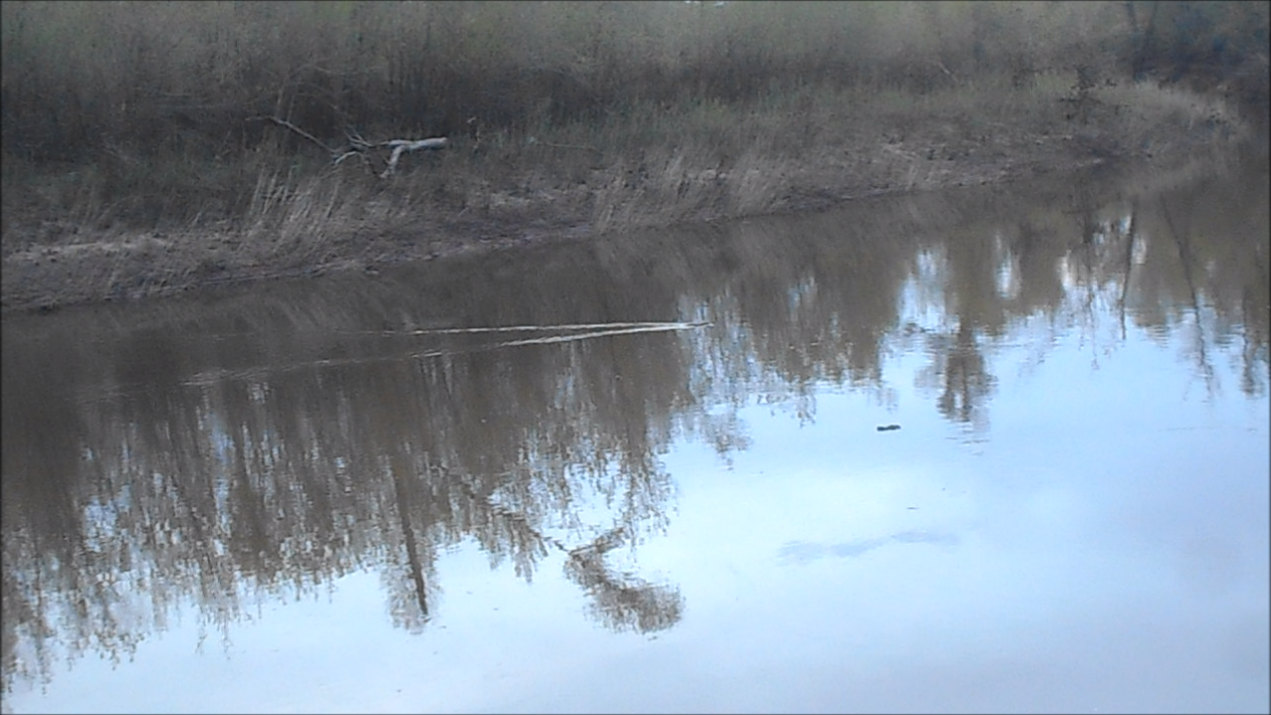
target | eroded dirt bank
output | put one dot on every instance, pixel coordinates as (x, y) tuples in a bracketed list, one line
[(80, 268)]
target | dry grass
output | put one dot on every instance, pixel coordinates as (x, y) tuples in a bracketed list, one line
[(593, 116)]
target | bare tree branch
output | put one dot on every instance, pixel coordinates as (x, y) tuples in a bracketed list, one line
[(404, 145), (288, 125), (359, 146)]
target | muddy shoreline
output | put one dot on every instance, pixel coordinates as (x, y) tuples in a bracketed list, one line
[(45, 277)]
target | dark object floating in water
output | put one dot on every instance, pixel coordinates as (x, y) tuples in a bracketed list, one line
[(887, 428)]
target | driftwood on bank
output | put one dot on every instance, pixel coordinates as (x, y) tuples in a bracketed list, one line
[(358, 146)]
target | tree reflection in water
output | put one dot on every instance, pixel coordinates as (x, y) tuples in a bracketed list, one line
[(621, 601), (267, 444)]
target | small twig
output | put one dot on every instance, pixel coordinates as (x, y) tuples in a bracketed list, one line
[(288, 125), (354, 151), (949, 74), (356, 141)]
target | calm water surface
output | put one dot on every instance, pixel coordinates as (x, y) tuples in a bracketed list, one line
[(655, 479)]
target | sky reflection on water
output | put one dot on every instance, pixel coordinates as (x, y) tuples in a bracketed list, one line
[(291, 502)]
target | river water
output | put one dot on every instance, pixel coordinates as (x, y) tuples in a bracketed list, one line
[(994, 449)]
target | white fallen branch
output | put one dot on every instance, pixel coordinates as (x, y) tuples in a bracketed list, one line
[(404, 145), (358, 146)]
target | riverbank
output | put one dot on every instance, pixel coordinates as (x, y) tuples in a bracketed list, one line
[(667, 166)]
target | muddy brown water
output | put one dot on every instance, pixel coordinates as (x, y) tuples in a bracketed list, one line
[(984, 450)]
